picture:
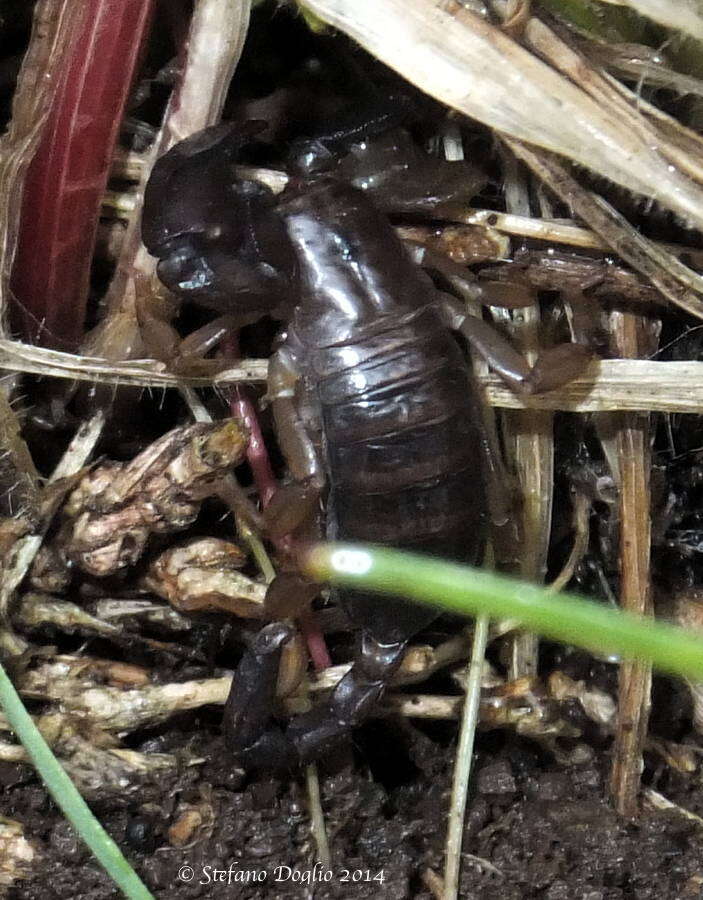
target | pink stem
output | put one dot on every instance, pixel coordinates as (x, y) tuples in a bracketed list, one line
[(257, 455), (315, 640)]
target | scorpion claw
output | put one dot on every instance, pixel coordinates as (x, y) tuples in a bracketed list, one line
[(253, 692)]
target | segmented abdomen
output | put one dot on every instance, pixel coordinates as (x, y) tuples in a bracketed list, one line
[(402, 448)]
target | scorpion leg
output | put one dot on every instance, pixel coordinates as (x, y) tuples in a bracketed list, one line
[(466, 285), (554, 367), (204, 339), (187, 355), (295, 503)]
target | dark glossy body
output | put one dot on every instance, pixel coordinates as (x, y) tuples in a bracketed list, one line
[(372, 396), (390, 389)]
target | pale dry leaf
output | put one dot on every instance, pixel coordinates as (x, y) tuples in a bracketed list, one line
[(476, 68)]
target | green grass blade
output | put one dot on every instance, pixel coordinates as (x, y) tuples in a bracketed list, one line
[(67, 796), (470, 592), (612, 23)]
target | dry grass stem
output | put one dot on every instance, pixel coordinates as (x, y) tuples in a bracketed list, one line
[(116, 709), (534, 457), (41, 609), (109, 610), (100, 771), (149, 373), (27, 547), (657, 801), (35, 610), (215, 41), (317, 818), (615, 385), (688, 612), (646, 67), (529, 441), (581, 520), (633, 442), (608, 385), (679, 284), (565, 56)]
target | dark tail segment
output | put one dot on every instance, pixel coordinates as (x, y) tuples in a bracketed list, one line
[(256, 739), (320, 152)]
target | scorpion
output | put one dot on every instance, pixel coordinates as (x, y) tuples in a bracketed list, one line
[(373, 399)]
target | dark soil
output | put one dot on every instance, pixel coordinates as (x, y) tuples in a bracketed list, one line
[(533, 829)]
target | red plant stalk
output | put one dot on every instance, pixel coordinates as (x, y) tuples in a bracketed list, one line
[(257, 457), (257, 454), (68, 174), (314, 640)]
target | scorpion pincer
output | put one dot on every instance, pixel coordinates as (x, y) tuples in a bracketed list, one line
[(373, 399)]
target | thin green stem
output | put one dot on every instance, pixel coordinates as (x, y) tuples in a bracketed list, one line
[(471, 592), (66, 795)]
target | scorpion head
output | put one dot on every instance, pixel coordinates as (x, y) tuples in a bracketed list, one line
[(217, 237)]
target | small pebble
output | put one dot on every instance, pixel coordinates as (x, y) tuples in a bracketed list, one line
[(139, 834)]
